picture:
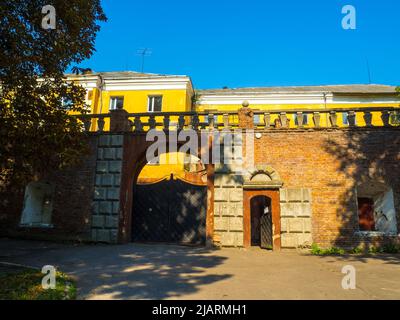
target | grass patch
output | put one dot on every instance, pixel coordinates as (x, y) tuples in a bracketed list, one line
[(325, 252), (27, 285)]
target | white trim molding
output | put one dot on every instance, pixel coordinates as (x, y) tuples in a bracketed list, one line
[(298, 98)]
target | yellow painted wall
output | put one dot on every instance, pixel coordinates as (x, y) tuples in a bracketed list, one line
[(136, 101)]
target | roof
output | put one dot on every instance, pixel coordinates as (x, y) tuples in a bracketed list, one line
[(346, 89), (124, 75)]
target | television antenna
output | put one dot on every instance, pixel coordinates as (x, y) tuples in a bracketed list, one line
[(144, 52), (369, 72)]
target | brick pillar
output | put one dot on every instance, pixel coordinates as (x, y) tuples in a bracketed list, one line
[(246, 115), (119, 121)]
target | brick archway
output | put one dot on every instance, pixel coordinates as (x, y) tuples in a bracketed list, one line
[(134, 159), (262, 180)]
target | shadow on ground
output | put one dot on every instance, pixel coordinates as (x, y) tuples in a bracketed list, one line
[(133, 271)]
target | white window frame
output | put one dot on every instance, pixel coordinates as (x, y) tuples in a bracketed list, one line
[(151, 101), (113, 102)]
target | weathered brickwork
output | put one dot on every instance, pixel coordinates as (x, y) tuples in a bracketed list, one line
[(105, 218), (330, 163), (319, 169), (228, 208)]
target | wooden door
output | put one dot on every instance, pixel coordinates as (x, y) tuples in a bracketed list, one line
[(269, 224)]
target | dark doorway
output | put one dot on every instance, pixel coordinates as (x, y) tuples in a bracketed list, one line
[(172, 211), (261, 222)]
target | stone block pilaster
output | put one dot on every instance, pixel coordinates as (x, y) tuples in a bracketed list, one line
[(105, 214)]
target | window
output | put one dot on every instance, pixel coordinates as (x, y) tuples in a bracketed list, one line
[(116, 103), (305, 119), (376, 210), (154, 104), (257, 119), (38, 204)]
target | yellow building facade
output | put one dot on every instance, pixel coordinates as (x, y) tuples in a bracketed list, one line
[(148, 93), (140, 93)]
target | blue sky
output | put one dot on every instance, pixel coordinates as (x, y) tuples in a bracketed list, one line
[(252, 43)]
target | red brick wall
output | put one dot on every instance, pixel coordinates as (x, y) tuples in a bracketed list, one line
[(330, 163), (72, 206)]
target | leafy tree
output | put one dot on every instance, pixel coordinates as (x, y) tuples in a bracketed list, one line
[(37, 133)]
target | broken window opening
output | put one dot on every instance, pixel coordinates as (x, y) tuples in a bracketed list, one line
[(376, 211), (38, 204)]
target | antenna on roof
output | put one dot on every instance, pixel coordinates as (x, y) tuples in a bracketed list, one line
[(369, 72), (144, 52)]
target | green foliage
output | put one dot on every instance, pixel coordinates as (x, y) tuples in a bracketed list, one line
[(373, 249), (27, 285), (36, 132), (356, 250), (389, 248), (316, 250)]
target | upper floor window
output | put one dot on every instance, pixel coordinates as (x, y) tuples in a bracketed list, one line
[(154, 104), (116, 103)]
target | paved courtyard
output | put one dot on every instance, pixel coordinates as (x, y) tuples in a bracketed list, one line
[(139, 271)]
